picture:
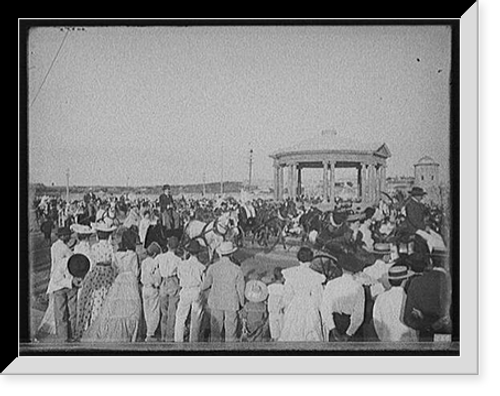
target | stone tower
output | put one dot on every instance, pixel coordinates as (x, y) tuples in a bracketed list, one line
[(427, 177)]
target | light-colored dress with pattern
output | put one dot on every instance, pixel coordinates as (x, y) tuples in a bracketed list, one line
[(118, 319)]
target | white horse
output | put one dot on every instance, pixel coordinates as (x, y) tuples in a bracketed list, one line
[(212, 234)]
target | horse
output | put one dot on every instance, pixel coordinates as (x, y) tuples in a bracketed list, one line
[(212, 234)]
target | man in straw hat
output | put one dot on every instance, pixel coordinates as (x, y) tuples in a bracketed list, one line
[(343, 303), (190, 273), (388, 306), (63, 287), (227, 293)]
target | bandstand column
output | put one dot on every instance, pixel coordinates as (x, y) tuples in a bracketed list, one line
[(364, 182), (276, 182), (281, 181), (293, 180), (325, 180), (332, 181), (371, 183), (299, 181), (383, 177)]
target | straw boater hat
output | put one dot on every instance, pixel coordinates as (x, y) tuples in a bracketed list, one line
[(105, 225), (81, 229), (256, 291), (400, 272), (226, 248), (78, 265), (381, 248)]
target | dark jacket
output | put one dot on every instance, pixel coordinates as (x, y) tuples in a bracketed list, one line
[(415, 215), (428, 300)]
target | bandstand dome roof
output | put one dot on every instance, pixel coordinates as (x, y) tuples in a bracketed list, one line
[(330, 141), (426, 161)]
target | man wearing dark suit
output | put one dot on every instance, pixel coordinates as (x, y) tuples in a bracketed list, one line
[(416, 211)]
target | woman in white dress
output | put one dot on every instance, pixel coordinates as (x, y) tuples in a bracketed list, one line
[(302, 298)]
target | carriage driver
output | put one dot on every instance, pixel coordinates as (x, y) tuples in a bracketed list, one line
[(166, 208)]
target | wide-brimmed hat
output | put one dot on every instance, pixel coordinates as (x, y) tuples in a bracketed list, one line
[(256, 290), (226, 248), (193, 247), (417, 192), (81, 229), (105, 225), (78, 265), (399, 272), (63, 231), (350, 263)]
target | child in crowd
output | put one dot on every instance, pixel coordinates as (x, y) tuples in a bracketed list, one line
[(151, 280), (254, 312)]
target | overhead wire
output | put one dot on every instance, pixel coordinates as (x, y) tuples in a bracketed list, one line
[(50, 68)]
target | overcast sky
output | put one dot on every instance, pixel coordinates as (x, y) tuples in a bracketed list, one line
[(154, 105)]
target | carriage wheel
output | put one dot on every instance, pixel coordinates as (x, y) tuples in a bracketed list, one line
[(326, 265), (273, 236)]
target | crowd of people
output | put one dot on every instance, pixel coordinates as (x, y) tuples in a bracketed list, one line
[(383, 283)]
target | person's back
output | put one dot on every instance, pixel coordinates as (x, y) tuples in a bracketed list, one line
[(387, 317), (225, 277), (428, 300)]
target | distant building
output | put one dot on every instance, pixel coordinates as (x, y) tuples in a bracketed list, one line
[(427, 177), (400, 183)]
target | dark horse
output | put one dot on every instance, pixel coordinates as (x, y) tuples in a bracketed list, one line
[(160, 234)]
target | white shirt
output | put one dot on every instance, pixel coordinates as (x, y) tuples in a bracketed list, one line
[(143, 229), (344, 296), (190, 273), (168, 263), (388, 312), (60, 277)]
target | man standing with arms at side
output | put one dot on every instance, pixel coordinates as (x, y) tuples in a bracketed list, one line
[(227, 293), (63, 287)]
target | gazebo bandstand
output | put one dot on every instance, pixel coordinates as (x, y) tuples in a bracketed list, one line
[(330, 152)]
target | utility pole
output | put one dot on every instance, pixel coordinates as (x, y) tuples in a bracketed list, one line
[(203, 191), (67, 185), (222, 169), (250, 163)]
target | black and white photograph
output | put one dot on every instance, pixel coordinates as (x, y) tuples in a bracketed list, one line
[(242, 188)]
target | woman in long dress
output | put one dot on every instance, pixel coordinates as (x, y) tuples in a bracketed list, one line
[(118, 319), (98, 281), (302, 297)]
